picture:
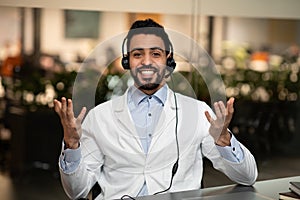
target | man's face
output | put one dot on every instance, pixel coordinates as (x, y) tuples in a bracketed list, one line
[(147, 62)]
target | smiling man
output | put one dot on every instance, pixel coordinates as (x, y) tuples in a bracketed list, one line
[(150, 140)]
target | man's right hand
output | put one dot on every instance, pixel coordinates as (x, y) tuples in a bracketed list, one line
[(71, 125)]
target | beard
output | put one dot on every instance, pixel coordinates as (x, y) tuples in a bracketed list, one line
[(148, 83)]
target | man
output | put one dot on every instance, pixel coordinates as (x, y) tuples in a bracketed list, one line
[(151, 139)]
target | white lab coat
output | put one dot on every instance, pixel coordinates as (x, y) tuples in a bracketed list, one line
[(112, 153)]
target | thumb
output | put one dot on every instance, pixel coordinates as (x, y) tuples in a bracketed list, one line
[(81, 115), (230, 103), (208, 117)]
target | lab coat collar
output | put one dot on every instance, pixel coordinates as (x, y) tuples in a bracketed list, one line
[(120, 104)]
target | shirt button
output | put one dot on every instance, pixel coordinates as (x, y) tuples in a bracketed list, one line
[(150, 135), (233, 148), (150, 97), (149, 114)]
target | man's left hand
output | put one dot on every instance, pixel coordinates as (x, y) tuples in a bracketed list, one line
[(219, 126)]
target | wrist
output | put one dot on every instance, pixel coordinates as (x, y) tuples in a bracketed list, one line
[(224, 139), (71, 145)]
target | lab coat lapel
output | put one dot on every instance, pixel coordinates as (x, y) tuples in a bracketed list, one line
[(124, 119), (168, 114)]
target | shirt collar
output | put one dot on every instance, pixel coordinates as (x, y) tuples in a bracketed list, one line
[(137, 96)]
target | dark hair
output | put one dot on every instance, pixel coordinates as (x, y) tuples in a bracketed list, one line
[(149, 26)]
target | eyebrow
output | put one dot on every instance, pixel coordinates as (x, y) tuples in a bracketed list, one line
[(152, 48)]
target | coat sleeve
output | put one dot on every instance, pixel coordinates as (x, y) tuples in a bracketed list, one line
[(78, 183), (243, 172)]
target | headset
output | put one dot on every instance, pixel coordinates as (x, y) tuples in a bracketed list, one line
[(171, 64)]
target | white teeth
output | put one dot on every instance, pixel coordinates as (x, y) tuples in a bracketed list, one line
[(147, 72)]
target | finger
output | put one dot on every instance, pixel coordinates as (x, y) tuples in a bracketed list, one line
[(222, 108), (70, 113), (81, 115), (63, 105), (218, 110), (57, 105)]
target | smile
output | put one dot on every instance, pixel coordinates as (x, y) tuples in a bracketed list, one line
[(147, 72)]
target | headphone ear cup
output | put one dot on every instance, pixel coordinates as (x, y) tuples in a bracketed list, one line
[(125, 62), (171, 63)]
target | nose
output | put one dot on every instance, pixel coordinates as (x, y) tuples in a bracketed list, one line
[(147, 59)]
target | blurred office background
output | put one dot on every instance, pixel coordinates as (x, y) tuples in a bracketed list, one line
[(255, 47)]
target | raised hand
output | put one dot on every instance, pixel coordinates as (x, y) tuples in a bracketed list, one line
[(71, 125), (219, 126)]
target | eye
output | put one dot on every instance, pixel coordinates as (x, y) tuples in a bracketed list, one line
[(157, 54), (136, 54)]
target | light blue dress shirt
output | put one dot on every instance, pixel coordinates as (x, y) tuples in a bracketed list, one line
[(145, 111)]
